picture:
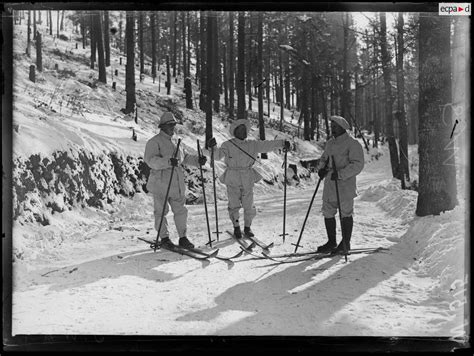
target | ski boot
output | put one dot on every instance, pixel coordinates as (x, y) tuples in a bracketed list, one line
[(237, 232), (247, 232), (166, 243), (185, 243), (331, 245)]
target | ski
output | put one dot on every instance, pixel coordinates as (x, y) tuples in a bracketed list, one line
[(246, 248), (183, 251), (318, 256), (301, 254), (260, 244), (225, 259)]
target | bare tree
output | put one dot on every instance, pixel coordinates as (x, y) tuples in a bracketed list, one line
[(130, 67), (241, 66), (437, 172), (231, 65)]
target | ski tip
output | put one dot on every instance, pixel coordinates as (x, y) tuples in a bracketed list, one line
[(269, 246), (214, 254), (239, 254)]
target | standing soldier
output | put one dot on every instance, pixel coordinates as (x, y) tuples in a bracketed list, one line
[(160, 157), (239, 177), (349, 159)]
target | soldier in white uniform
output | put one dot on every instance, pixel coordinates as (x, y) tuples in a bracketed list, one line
[(239, 177), (349, 158), (159, 157)]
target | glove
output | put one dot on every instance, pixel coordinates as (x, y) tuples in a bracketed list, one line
[(212, 142), (202, 160), (286, 145), (334, 176), (322, 173), (174, 162)]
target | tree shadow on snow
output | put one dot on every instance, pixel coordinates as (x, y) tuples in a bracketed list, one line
[(291, 303)]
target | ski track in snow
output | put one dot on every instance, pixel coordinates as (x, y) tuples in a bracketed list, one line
[(113, 283)]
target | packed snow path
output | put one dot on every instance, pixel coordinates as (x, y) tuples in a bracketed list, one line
[(109, 282)]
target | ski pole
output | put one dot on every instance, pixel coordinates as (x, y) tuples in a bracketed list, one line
[(307, 214), (309, 208), (175, 154), (339, 206), (284, 196), (204, 196), (214, 187)]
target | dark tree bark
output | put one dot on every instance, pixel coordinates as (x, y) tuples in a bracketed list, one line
[(261, 123), (404, 168), (34, 25), (345, 73), (210, 75), (203, 94), (386, 68), (225, 76), (188, 40), (437, 190), (231, 65), (281, 90), (39, 54), (153, 44), (50, 13), (140, 42), (83, 30), (168, 75), (183, 34), (62, 20), (249, 62), (174, 42), (93, 40), (216, 64), (130, 67), (100, 46), (241, 66), (57, 23), (28, 41), (107, 38)]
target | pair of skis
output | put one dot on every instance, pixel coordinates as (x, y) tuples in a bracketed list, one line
[(195, 253), (248, 248)]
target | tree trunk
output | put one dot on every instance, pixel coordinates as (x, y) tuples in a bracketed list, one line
[(57, 24), (173, 42), (231, 66), (203, 93), (386, 67), (93, 40), (183, 34), (437, 173), (404, 168), (261, 123), (100, 47), (39, 55), (50, 22), (249, 63), (34, 25), (225, 76), (241, 66), (188, 39), (107, 38), (130, 67), (345, 73), (83, 30), (216, 64), (140, 43), (62, 20), (28, 41), (168, 75), (153, 44), (210, 74), (282, 116)]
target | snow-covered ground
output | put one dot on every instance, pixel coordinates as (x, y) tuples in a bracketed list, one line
[(87, 272), (106, 281)]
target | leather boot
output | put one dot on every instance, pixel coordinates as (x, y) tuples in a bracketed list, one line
[(347, 223), (331, 232)]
